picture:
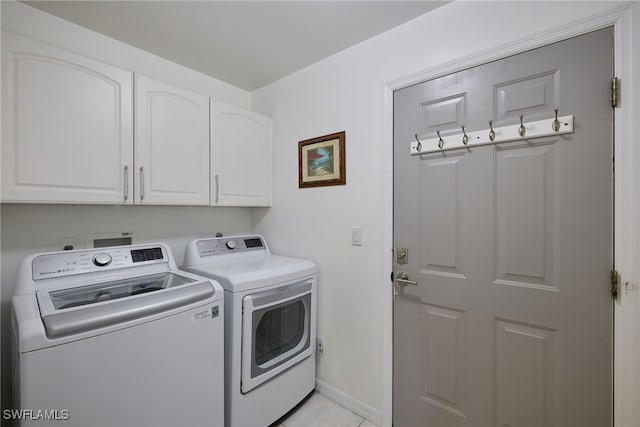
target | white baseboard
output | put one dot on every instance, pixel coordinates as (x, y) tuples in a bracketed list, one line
[(349, 402)]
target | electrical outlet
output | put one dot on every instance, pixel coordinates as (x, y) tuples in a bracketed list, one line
[(321, 345)]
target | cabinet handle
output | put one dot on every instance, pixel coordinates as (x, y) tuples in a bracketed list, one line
[(126, 182), (217, 177), (141, 183)]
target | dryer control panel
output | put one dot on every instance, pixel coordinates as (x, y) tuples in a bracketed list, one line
[(225, 245), (60, 264)]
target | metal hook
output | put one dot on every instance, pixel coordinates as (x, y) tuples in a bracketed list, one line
[(440, 140), (419, 145), (521, 129), (492, 133), (556, 123), (465, 138)]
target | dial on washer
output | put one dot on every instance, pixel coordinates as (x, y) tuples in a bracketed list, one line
[(102, 259)]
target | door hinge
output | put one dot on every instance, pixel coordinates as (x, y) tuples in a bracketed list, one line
[(615, 284), (615, 92)]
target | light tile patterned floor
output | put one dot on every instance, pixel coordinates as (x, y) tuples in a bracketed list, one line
[(318, 411)]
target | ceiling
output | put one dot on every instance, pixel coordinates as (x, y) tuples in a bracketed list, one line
[(246, 43)]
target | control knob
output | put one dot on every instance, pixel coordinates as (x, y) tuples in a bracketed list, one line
[(231, 244), (102, 259)]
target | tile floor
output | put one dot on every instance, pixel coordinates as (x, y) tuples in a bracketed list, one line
[(318, 411)]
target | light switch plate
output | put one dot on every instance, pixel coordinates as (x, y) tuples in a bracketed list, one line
[(356, 236)]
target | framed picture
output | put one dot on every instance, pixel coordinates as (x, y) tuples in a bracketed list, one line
[(321, 161)]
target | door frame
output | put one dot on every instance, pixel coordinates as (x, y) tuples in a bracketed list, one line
[(625, 20)]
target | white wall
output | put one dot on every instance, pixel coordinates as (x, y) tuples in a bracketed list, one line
[(27, 229), (348, 92)]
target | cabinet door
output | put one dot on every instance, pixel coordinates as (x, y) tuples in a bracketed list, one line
[(172, 144), (240, 157), (67, 126)]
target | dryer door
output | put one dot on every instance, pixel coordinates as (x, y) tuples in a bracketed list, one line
[(275, 332)]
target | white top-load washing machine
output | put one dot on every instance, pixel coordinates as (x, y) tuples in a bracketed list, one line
[(270, 323), (117, 337)]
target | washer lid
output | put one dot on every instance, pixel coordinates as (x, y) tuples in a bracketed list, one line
[(92, 294), (84, 308), (245, 273)]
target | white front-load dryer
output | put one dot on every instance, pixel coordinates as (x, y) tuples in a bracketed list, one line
[(270, 321), (116, 337)]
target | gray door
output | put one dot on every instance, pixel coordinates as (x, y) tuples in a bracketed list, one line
[(510, 322)]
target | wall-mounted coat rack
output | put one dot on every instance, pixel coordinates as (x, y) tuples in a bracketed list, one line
[(523, 131)]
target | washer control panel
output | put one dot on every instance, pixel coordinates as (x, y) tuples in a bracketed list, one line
[(225, 245), (61, 264)]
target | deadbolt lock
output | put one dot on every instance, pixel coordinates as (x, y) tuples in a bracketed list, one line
[(402, 255)]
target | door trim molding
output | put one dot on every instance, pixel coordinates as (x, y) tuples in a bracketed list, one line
[(625, 20)]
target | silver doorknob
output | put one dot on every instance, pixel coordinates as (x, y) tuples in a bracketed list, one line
[(403, 279)]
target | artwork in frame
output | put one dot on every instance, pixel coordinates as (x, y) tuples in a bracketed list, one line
[(321, 161)]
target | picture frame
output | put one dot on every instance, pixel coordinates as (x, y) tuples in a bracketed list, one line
[(322, 161)]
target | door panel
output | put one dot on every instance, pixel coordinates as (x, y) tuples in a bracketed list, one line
[(525, 214), (524, 380), (510, 245), (534, 94)]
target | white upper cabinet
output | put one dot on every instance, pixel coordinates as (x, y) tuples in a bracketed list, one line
[(240, 157), (66, 126), (69, 136), (171, 144)]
